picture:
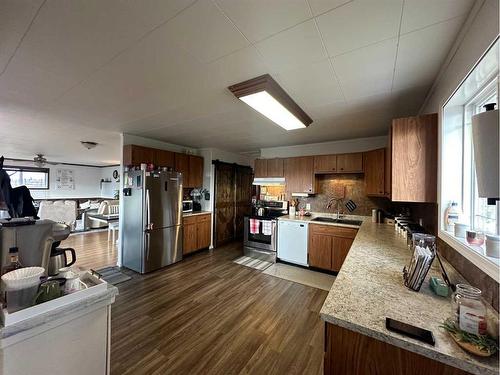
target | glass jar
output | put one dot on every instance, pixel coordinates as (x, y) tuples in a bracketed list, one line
[(468, 309)]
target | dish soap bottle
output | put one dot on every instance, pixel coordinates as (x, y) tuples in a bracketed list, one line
[(451, 216)]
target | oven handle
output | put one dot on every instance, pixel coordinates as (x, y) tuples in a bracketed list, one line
[(274, 237)]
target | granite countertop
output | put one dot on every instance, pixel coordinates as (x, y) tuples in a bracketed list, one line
[(106, 297), (196, 213), (309, 219), (369, 288)]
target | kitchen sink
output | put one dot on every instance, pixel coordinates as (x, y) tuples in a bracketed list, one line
[(337, 221)]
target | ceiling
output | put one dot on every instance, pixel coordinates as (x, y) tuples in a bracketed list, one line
[(91, 69)]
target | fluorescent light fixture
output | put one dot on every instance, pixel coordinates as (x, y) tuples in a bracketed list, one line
[(269, 181), (268, 98)]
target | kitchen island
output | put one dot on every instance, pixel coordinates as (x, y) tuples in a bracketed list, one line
[(72, 339), (369, 288)]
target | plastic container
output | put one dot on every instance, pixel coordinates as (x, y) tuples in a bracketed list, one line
[(493, 246), (451, 216)]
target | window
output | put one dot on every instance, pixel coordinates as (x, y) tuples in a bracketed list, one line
[(458, 180), (31, 177)]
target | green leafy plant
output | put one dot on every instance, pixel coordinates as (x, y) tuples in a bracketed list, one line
[(484, 343)]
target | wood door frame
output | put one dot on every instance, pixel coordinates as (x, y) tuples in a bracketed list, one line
[(214, 224)]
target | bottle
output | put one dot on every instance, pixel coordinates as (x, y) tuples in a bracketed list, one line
[(451, 216), (14, 260)]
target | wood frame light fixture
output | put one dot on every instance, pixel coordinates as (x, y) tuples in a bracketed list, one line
[(267, 97)]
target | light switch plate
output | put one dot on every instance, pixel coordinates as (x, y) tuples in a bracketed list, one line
[(308, 206)]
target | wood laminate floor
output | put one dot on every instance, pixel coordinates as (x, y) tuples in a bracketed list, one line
[(93, 250), (208, 315)]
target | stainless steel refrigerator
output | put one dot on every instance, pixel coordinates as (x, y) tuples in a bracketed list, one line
[(152, 220)]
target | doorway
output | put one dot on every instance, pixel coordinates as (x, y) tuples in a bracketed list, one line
[(233, 200)]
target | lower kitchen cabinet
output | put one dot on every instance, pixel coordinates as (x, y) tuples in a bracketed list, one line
[(329, 245), (196, 232)]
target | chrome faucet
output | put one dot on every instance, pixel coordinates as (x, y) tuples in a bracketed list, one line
[(332, 201)]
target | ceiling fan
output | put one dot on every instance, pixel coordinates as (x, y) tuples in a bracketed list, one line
[(40, 160)]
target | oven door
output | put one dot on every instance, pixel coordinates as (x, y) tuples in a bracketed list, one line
[(260, 240)]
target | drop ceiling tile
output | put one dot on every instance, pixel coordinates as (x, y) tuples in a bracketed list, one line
[(421, 53), (359, 24), (300, 45), (205, 32), (312, 84), (366, 71), (258, 19), (322, 6), (421, 13)]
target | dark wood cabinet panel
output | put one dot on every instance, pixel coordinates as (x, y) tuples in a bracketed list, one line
[(182, 166), (163, 158), (349, 352), (189, 237), (195, 171), (260, 168), (350, 163), (374, 166), (299, 175), (329, 245), (320, 251), (340, 248), (388, 166), (203, 231), (275, 167), (325, 164), (414, 159), (135, 155)]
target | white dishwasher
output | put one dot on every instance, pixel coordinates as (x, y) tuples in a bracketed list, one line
[(292, 242)]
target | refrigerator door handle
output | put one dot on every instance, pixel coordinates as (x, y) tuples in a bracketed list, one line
[(148, 243), (149, 225)]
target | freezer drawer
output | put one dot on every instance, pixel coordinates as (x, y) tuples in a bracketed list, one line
[(162, 247), (292, 242)]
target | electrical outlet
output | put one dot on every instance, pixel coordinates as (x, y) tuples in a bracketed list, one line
[(308, 206)]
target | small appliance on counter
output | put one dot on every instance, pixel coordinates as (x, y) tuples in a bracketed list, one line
[(187, 206)]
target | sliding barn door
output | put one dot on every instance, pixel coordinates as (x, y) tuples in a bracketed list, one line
[(233, 195)]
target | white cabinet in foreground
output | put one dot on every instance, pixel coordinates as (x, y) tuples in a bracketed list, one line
[(292, 242)]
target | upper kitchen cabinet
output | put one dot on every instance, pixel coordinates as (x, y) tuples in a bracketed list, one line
[(299, 175), (268, 168), (195, 171), (374, 166), (388, 166), (164, 158), (260, 168), (136, 155), (414, 159), (275, 167), (324, 164), (191, 167), (350, 163)]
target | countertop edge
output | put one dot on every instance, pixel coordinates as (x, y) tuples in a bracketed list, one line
[(417, 348)]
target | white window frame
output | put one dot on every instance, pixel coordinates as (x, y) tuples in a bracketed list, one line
[(488, 265)]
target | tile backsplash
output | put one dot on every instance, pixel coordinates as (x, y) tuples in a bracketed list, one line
[(354, 187)]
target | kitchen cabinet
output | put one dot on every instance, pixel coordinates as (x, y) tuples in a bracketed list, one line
[(182, 166), (329, 245), (164, 158), (299, 175), (414, 159), (275, 167), (196, 232), (260, 168), (350, 163), (388, 166), (374, 166), (195, 171), (268, 168), (325, 164), (135, 155)]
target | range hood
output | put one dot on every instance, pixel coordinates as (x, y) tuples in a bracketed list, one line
[(485, 133), (269, 181)]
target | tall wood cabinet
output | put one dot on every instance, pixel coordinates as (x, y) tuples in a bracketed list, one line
[(414, 159), (329, 245), (374, 165)]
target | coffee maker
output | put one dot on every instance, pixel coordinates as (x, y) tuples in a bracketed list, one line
[(33, 239)]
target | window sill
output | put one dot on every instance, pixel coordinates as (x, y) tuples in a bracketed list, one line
[(474, 254)]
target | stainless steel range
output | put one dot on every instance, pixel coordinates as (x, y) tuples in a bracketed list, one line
[(261, 230)]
